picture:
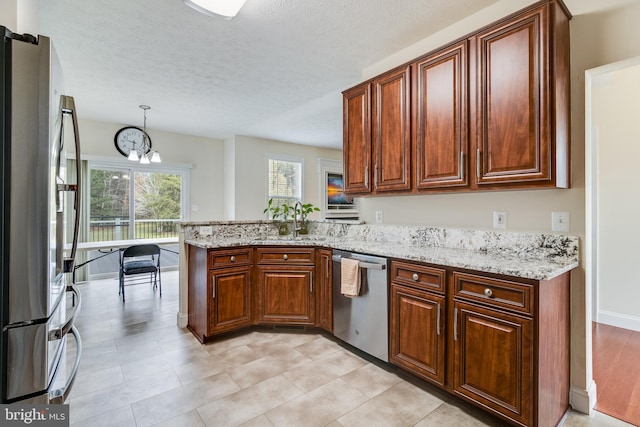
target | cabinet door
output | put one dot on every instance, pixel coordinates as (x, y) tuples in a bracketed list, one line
[(441, 138), (285, 295), (417, 335), (493, 354), (230, 292), (325, 295), (513, 101), (391, 131), (357, 139)]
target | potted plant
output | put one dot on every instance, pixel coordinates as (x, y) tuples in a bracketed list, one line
[(279, 213), (305, 210)]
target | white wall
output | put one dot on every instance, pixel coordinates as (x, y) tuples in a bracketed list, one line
[(20, 16), (615, 112), (230, 178), (205, 155), (250, 173), (9, 14)]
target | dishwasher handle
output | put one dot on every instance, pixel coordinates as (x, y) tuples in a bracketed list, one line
[(362, 264)]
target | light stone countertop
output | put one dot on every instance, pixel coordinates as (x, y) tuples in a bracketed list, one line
[(522, 255)]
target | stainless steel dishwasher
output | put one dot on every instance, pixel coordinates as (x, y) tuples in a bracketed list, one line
[(362, 321)]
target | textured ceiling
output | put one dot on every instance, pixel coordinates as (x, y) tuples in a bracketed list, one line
[(275, 71)]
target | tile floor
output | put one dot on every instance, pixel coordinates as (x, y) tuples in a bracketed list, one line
[(139, 369)]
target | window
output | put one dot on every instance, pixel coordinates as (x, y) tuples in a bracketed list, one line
[(132, 203), (285, 180)]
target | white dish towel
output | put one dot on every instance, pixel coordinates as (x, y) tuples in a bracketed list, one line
[(350, 277)]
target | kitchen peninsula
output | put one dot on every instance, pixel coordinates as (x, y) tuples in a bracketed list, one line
[(481, 314)]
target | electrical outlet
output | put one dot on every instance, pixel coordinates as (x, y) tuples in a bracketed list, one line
[(206, 230), (560, 221), (379, 218), (194, 208), (500, 219)]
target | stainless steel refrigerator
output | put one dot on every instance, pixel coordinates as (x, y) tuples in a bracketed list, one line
[(38, 305)]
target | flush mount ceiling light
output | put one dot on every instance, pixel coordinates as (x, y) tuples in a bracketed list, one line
[(225, 8)]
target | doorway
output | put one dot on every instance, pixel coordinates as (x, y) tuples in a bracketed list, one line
[(612, 133)]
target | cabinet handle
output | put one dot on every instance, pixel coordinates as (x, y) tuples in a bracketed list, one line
[(488, 292), (285, 257), (213, 289), (416, 277), (366, 176), (478, 163), (375, 177), (455, 324), (311, 283), (233, 258), (326, 260), (438, 318), (462, 164)]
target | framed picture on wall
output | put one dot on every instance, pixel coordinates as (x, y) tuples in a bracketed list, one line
[(335, 203)]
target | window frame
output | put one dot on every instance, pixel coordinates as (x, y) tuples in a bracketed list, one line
[(283, 158), (132, 168)]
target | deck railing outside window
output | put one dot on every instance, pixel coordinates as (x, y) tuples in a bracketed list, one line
[(109, 228)]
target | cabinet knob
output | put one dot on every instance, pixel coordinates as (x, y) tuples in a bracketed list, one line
[(285, 257), (488, 292), (415, 276), (233, 258)]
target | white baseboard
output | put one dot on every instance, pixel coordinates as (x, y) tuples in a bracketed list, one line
[(619, 320), (182, 319), (583, 400)]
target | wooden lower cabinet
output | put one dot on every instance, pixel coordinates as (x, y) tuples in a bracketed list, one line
[(230, 293), (417, 336), (510, 346), (219, 290), (285, 295), (499, 342), (493, 357), (284, 286), (324, 290)]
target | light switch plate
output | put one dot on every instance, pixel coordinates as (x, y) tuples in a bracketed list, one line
[(379, 218), (560, 221), (500, 219), (206, 230)]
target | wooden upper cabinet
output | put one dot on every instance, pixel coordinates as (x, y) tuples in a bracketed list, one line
[(357, 139), (391, 130), (488, 112), (441, 117), (519, 141)]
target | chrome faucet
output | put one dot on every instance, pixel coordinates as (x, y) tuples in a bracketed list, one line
[(297, 226)]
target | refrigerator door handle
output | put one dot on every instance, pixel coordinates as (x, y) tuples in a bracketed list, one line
[(58, 396), (68, 106), (56, 334)]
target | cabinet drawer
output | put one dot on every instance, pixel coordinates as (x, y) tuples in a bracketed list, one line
[(418, 276), (495, 292), (288, 255), (229, 257)]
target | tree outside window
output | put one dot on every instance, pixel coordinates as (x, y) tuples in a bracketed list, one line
[(152, 199)]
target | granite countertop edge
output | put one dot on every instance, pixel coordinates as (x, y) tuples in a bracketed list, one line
[(509, 263)]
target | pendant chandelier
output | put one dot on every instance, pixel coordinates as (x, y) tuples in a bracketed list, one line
[(147, 156)]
